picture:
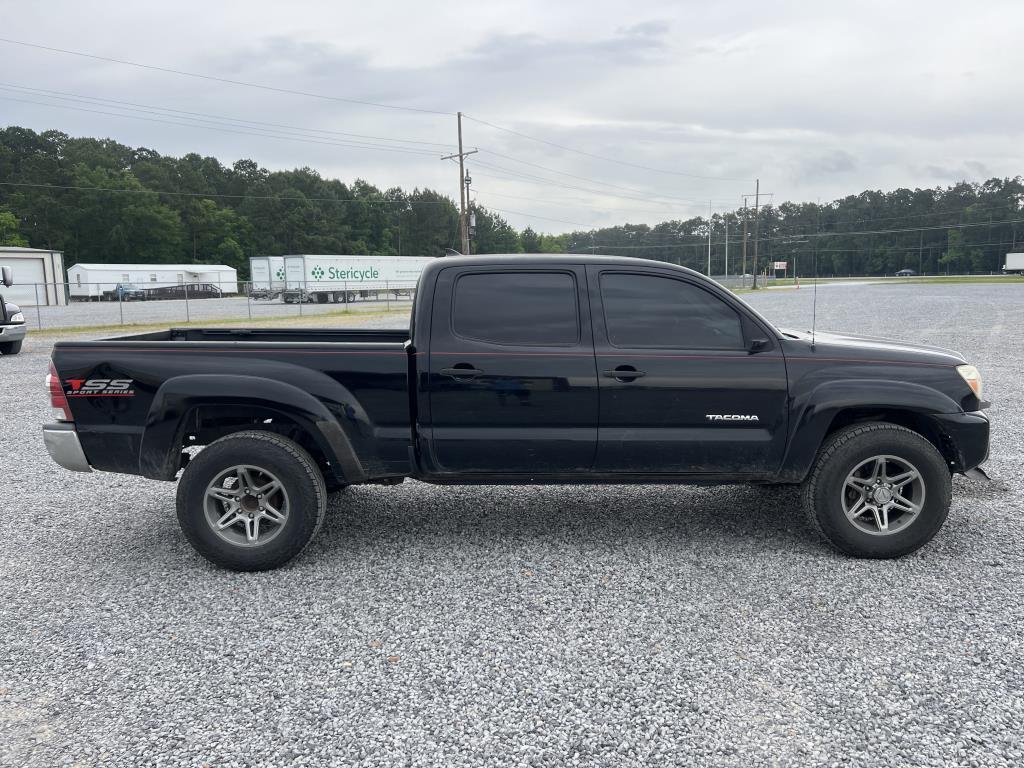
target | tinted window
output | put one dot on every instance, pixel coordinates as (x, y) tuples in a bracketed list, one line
[(649, 311), (516, 308)]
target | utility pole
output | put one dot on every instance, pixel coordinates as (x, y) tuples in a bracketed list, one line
[(757, 204), (463, 218), (725, 218), (757, 201), (470, 217), (743, 274), (920, 252), (709, 238)]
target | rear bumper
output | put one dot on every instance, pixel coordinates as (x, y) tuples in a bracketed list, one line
[(967, 434), (64, 447), (9, 333)]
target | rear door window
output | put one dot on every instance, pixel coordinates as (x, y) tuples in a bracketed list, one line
[(652, 311), (517, 308)]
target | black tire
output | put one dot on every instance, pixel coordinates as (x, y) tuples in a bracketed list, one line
[(289, 463), (11, 348), (842, 453)]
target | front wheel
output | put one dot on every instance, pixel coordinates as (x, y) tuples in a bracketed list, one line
[(878, 491), (251, 501), (10, 348)]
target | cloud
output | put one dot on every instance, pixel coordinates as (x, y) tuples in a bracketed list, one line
[(816, 102)]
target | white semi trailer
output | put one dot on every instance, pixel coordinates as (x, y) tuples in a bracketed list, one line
[(341, 279), (1014, 264), (267, 275)]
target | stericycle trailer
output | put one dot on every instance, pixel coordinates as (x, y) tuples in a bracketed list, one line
[(341, 279)]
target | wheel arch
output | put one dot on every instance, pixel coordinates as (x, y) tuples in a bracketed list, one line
[(209, 406), (836, 405)]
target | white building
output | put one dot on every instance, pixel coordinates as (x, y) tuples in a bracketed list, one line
[(90, 281), (38, 276)]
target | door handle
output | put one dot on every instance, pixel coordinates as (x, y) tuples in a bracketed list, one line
[(461, 371), (625, 373)]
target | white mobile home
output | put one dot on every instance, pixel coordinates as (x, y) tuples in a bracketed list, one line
[(38, 276), (91, 281)]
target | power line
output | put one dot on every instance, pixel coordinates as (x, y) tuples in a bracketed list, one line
[(967, 209), (783, 238), (529, 177), (229, 81), (533, 216), (661, 236), (601, 157), (196, 124), (899, 231), (297, 198), (155, 109), (571, 175), (579, 203)]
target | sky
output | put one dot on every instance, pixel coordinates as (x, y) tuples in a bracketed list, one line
[(584, 114)]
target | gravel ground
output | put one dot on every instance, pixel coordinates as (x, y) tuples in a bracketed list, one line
[(546, 626)]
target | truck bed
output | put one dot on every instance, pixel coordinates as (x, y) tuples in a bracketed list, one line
[(275, 335), (352, 385)]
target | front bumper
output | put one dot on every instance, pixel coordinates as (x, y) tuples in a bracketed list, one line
[(63, 445), (967, 436), (9, 333)]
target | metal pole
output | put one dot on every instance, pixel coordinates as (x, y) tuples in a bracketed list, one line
[(743, 274), (757, 202), (248, 299), (387, 295), (726, 247), (120, 304), (39, 315), (709, 238), (188, 315), (463, 221)]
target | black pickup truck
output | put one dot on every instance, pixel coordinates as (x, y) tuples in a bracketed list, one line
[(525, 369)]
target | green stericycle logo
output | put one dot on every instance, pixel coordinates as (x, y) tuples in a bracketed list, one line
[(345, 273), (280, 273)]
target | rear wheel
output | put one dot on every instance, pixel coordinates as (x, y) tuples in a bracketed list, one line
[(878, 490), (251, 501), (10, 348)]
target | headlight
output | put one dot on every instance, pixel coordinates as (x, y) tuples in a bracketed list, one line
[(18, 317), (970, 374)]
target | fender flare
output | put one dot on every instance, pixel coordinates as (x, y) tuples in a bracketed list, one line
[(166, 422), (815, 411)]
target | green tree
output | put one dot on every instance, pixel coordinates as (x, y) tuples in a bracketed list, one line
[(9, 230), (494, 234), (530, 241)]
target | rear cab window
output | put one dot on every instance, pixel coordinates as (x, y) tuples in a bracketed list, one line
[(516, 308)]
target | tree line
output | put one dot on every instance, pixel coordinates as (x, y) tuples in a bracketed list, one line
[(101, 201)]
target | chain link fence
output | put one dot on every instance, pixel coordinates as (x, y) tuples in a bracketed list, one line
[(53, 306)]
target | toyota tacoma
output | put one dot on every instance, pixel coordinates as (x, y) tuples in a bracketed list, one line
[(525, 370)]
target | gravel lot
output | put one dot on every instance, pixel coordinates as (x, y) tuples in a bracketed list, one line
[(548, 626)]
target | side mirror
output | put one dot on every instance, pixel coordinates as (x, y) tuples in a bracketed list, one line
[(8, 276), (758, 345)]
